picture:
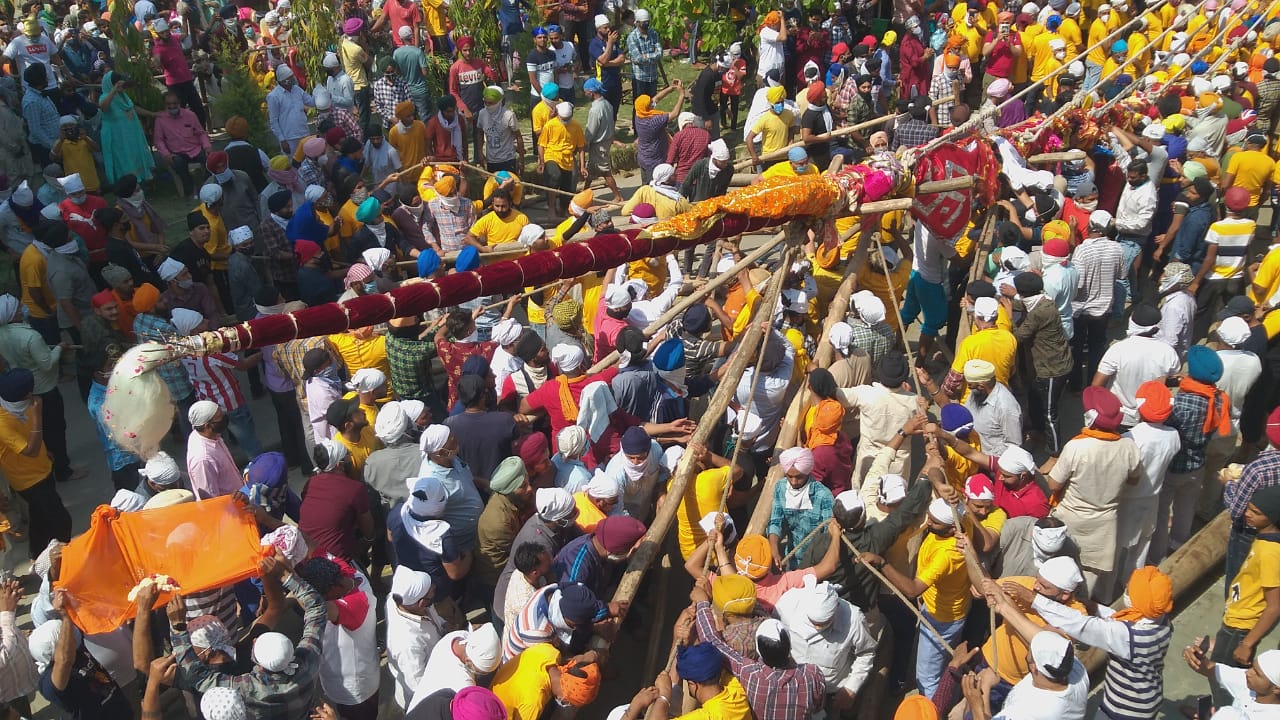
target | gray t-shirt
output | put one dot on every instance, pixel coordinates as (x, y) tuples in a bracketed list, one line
[(69, 280), (499, 133), (600, 128), (411, 61)]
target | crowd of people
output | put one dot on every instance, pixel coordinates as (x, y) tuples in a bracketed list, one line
[(454, 496)]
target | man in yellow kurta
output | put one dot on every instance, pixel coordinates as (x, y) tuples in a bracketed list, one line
[(1070, 29), (217, 246), (1041, 54), (408, 136)]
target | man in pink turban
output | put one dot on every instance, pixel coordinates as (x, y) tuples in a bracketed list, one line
[(800, 506)]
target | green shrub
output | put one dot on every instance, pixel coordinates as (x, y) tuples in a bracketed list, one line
[(242, 96)]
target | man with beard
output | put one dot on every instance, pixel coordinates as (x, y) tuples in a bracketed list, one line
[(271, 243), (239, 196)]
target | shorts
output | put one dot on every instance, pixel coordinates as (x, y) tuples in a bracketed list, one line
[(598, 160)]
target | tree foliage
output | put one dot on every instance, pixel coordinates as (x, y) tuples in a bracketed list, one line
[(132, 59), (673, 19), (320, 35), (242, 96)]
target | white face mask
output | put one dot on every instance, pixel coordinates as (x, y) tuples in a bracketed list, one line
[(78, 198), (1090, 205), (186, 284), (137, 197)]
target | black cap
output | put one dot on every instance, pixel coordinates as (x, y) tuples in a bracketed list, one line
[(1028, 284), (1236, 306), (1145, 315), (1272, 65), (339, 411), (196, 219), (279, 200), (980, 289)]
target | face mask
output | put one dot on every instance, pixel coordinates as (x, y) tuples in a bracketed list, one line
[(777, 107), (137, 197), (370, 288), (953, 74), (78, 198), (359, 196), (1060, 55), (249, 33), (224, 176), (473, 337), (1091, 205), (229, 24), (416, 210), (173, 112), (450, 202), (800, 169), (1137, 183), (186, 284)]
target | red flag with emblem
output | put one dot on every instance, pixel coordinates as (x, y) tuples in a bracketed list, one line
[(946, 214)]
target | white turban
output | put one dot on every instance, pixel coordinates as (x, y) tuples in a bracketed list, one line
[(822, 601), (335, 451), (571, 442), (367, 380), (161, 470), (554, 504), (313, 193), (376, 257), (127, 501), (567, 357), (1234, 331), (201, 412), (729, 530), (602, 487), (274, 652), (391, 423), (685, 119), (240, 235), (941, 511), (412, 409), (289, 542), (170, 269), (719, 150), (71, 185), (531, 234), (330, 60), (1062, 573), (663, 174), (427, 497), (617, 297), (850, 500), (222, 703), (483, 647), (1269, 664), (506, 332), (671, 457), (893, 489), (564, 110), (9, 307), (799, 459), (1016, 461), (1049, 651), (595, 407), (840, 336), (986, 308), (434, 438), (870, 307), (185, 320), (408, 586)]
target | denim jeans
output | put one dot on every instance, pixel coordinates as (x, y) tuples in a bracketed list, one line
[(1127, 286), (932, 658), (240, 423)]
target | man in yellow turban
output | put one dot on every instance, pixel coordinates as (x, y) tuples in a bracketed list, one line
[(773, 129)]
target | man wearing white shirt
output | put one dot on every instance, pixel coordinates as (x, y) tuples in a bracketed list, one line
[(413, 629), (1240, 372), (1255, 691), (1134, 214), (773, 36), (831, 633), (457, 660), (645, 310), (1138, 358), (287, 110), (33, 45), (1157, 444)]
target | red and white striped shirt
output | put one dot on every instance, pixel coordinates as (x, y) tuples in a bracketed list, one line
[(213, 377)]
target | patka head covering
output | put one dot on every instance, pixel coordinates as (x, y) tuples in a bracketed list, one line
[(602, 486), (274, 653), (391, 423), (1052, 655), (566, 357), (1234, 331), (940, 510), (484, 648), (201, 412), (1204, 364), (617, 534), (161, 470), (579, 683), (893, 489), (408, 586), (698, 663), (734, 594), (434, 438), (222, 703), (979, 487), (821, 602)]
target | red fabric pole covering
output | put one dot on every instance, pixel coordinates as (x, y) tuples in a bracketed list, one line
[(509, 276), (201, 545)]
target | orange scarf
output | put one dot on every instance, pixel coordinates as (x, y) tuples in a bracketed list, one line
[(1218, 416), (568, 406), (1096, 433)]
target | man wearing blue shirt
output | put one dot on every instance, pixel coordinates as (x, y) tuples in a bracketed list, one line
[(603, 49)]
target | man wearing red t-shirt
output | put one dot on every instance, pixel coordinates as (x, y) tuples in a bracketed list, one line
[(401, 13), (1000, 48), (1017, 493)]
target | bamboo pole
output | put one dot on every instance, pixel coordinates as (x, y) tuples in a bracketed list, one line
[(698, 296), (648, 549)]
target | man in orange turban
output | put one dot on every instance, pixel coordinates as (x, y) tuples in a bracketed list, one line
[(1136, 639)]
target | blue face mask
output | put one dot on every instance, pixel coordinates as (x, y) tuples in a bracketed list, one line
[(370, 287), (777, 107)]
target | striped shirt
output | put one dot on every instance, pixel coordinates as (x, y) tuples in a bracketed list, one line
[(1134, 686), (532, 625), (1263, 472), (1232, 236), (1100, 262), (213, 377)]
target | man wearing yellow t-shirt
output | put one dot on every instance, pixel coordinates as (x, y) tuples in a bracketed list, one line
[(942, 585), (704, 496), (25, 463), (1253, 598), (1057, 579), (970, 30), (699, 666), (773, 129), (988, 342), (1070, 29), (353, 430), (527, 682), (1251, 169), (562, 148), (33, 270), (1097, 57), (501, 226)]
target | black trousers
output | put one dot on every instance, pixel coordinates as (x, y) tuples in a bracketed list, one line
[(1042, 402), (1087, 346), (292, 443), (179, 167), (223, 284), (190, 99), (364, 98), (49, 517), (54, 426), (580, 33), (126, 478)]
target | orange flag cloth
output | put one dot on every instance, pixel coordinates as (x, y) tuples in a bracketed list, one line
[(201, 545)]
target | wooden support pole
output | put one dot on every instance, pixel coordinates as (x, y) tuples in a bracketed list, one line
[(652, 542)]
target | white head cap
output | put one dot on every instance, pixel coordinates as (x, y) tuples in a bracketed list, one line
[(1062, 573), (483, 647), (409, 586), (893, 489)]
